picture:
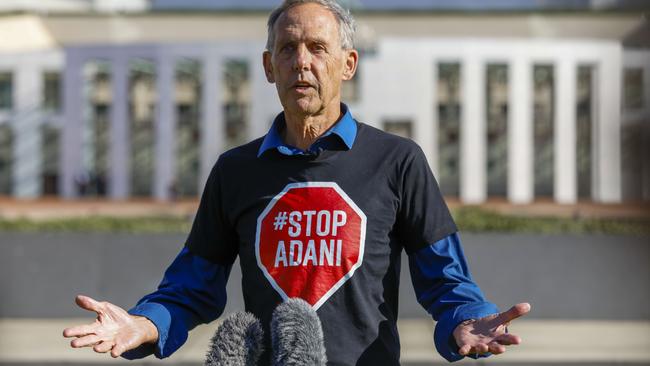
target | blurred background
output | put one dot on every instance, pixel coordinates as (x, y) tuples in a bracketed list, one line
[(534, 116)]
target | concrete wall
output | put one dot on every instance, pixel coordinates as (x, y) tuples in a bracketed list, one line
[(563, 276)]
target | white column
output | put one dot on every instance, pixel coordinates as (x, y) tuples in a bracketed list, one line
[(119, 130), (423, 129), (472, 133), (165, 125), (565, 177), (608, 127), (72, 126), (27, 135), (520, 132), (212, 122), (434, 130), (265, 104)]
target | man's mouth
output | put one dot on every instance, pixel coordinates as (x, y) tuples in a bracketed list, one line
[(302, 86)]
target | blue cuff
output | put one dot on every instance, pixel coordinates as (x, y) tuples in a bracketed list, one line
[(444, 334), (160, 317)]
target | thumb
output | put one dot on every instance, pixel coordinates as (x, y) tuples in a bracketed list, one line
[(88, 303), (513, 313)]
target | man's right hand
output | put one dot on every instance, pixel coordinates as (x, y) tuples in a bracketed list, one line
[(114, 330)]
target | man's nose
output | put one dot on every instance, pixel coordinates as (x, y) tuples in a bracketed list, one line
[(302, 59)]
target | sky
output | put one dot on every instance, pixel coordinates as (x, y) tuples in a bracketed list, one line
[(379, 5)]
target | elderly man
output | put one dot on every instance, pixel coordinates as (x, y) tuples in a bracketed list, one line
[(319, 208)]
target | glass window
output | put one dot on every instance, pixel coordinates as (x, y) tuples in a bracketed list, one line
[(449, 110), (52, 91), (6, 90), (188, 139), (50, 158), (402, 128), (497, 129), (6, 159), (633, 88), (584, 121), (543, 117), (91, 180), (142, 101), (236, 104)]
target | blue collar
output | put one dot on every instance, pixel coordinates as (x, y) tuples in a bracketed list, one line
[(345, 129)]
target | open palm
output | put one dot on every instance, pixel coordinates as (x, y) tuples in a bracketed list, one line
[(489, 334), (113, 330)]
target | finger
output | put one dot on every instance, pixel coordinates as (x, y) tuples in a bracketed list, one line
[(512, 313), (464, 350), (80, 330), (89, 340), (103, 347), (508, 339), (496, 348), (88, 303), (122, 347)]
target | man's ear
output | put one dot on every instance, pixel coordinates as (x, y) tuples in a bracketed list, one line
[(268, 66), (351, 63)]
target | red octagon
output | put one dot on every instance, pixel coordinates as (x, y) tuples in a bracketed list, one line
[(310, 240)]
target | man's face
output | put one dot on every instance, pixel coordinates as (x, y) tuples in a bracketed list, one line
[(307, 63)]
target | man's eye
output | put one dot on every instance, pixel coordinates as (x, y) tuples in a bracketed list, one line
[(288, 48)]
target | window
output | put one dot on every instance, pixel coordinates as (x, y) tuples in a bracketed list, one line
[(6, 90), (188, 106), (142, 100), (6, 159), (237, 95), (584, 121), (399, 127), (633, 88), (449, 110), (497, 129), (52, 91), (92, 179), (544, 99), (50, 157)]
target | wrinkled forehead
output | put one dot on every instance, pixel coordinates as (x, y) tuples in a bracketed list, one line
[(307, 21)]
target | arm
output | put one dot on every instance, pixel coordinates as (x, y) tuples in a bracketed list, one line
[(193, 291), (444, 287), (466, 323)]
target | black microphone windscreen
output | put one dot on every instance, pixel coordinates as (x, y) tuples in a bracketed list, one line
[(297, 335), (237, 342)]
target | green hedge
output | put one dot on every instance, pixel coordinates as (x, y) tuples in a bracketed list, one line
[(469, 219), (163, 224)]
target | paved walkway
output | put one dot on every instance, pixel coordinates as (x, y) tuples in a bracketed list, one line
[(48, 208), (38, 341)]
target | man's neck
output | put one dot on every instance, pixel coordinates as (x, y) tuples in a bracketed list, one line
[(303, 130)]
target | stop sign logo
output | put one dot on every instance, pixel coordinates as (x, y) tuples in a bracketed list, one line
[(310, 240)]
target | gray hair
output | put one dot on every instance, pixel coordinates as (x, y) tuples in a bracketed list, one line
[(343, 16)]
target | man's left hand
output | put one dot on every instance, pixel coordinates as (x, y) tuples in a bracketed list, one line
[(490, 333)]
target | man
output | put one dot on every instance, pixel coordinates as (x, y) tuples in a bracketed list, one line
[(350, 198)]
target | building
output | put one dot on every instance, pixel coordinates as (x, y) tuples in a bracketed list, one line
[(123, 99)]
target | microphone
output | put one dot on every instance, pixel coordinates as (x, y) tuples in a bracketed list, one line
[(297, 335), (237, 342)]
